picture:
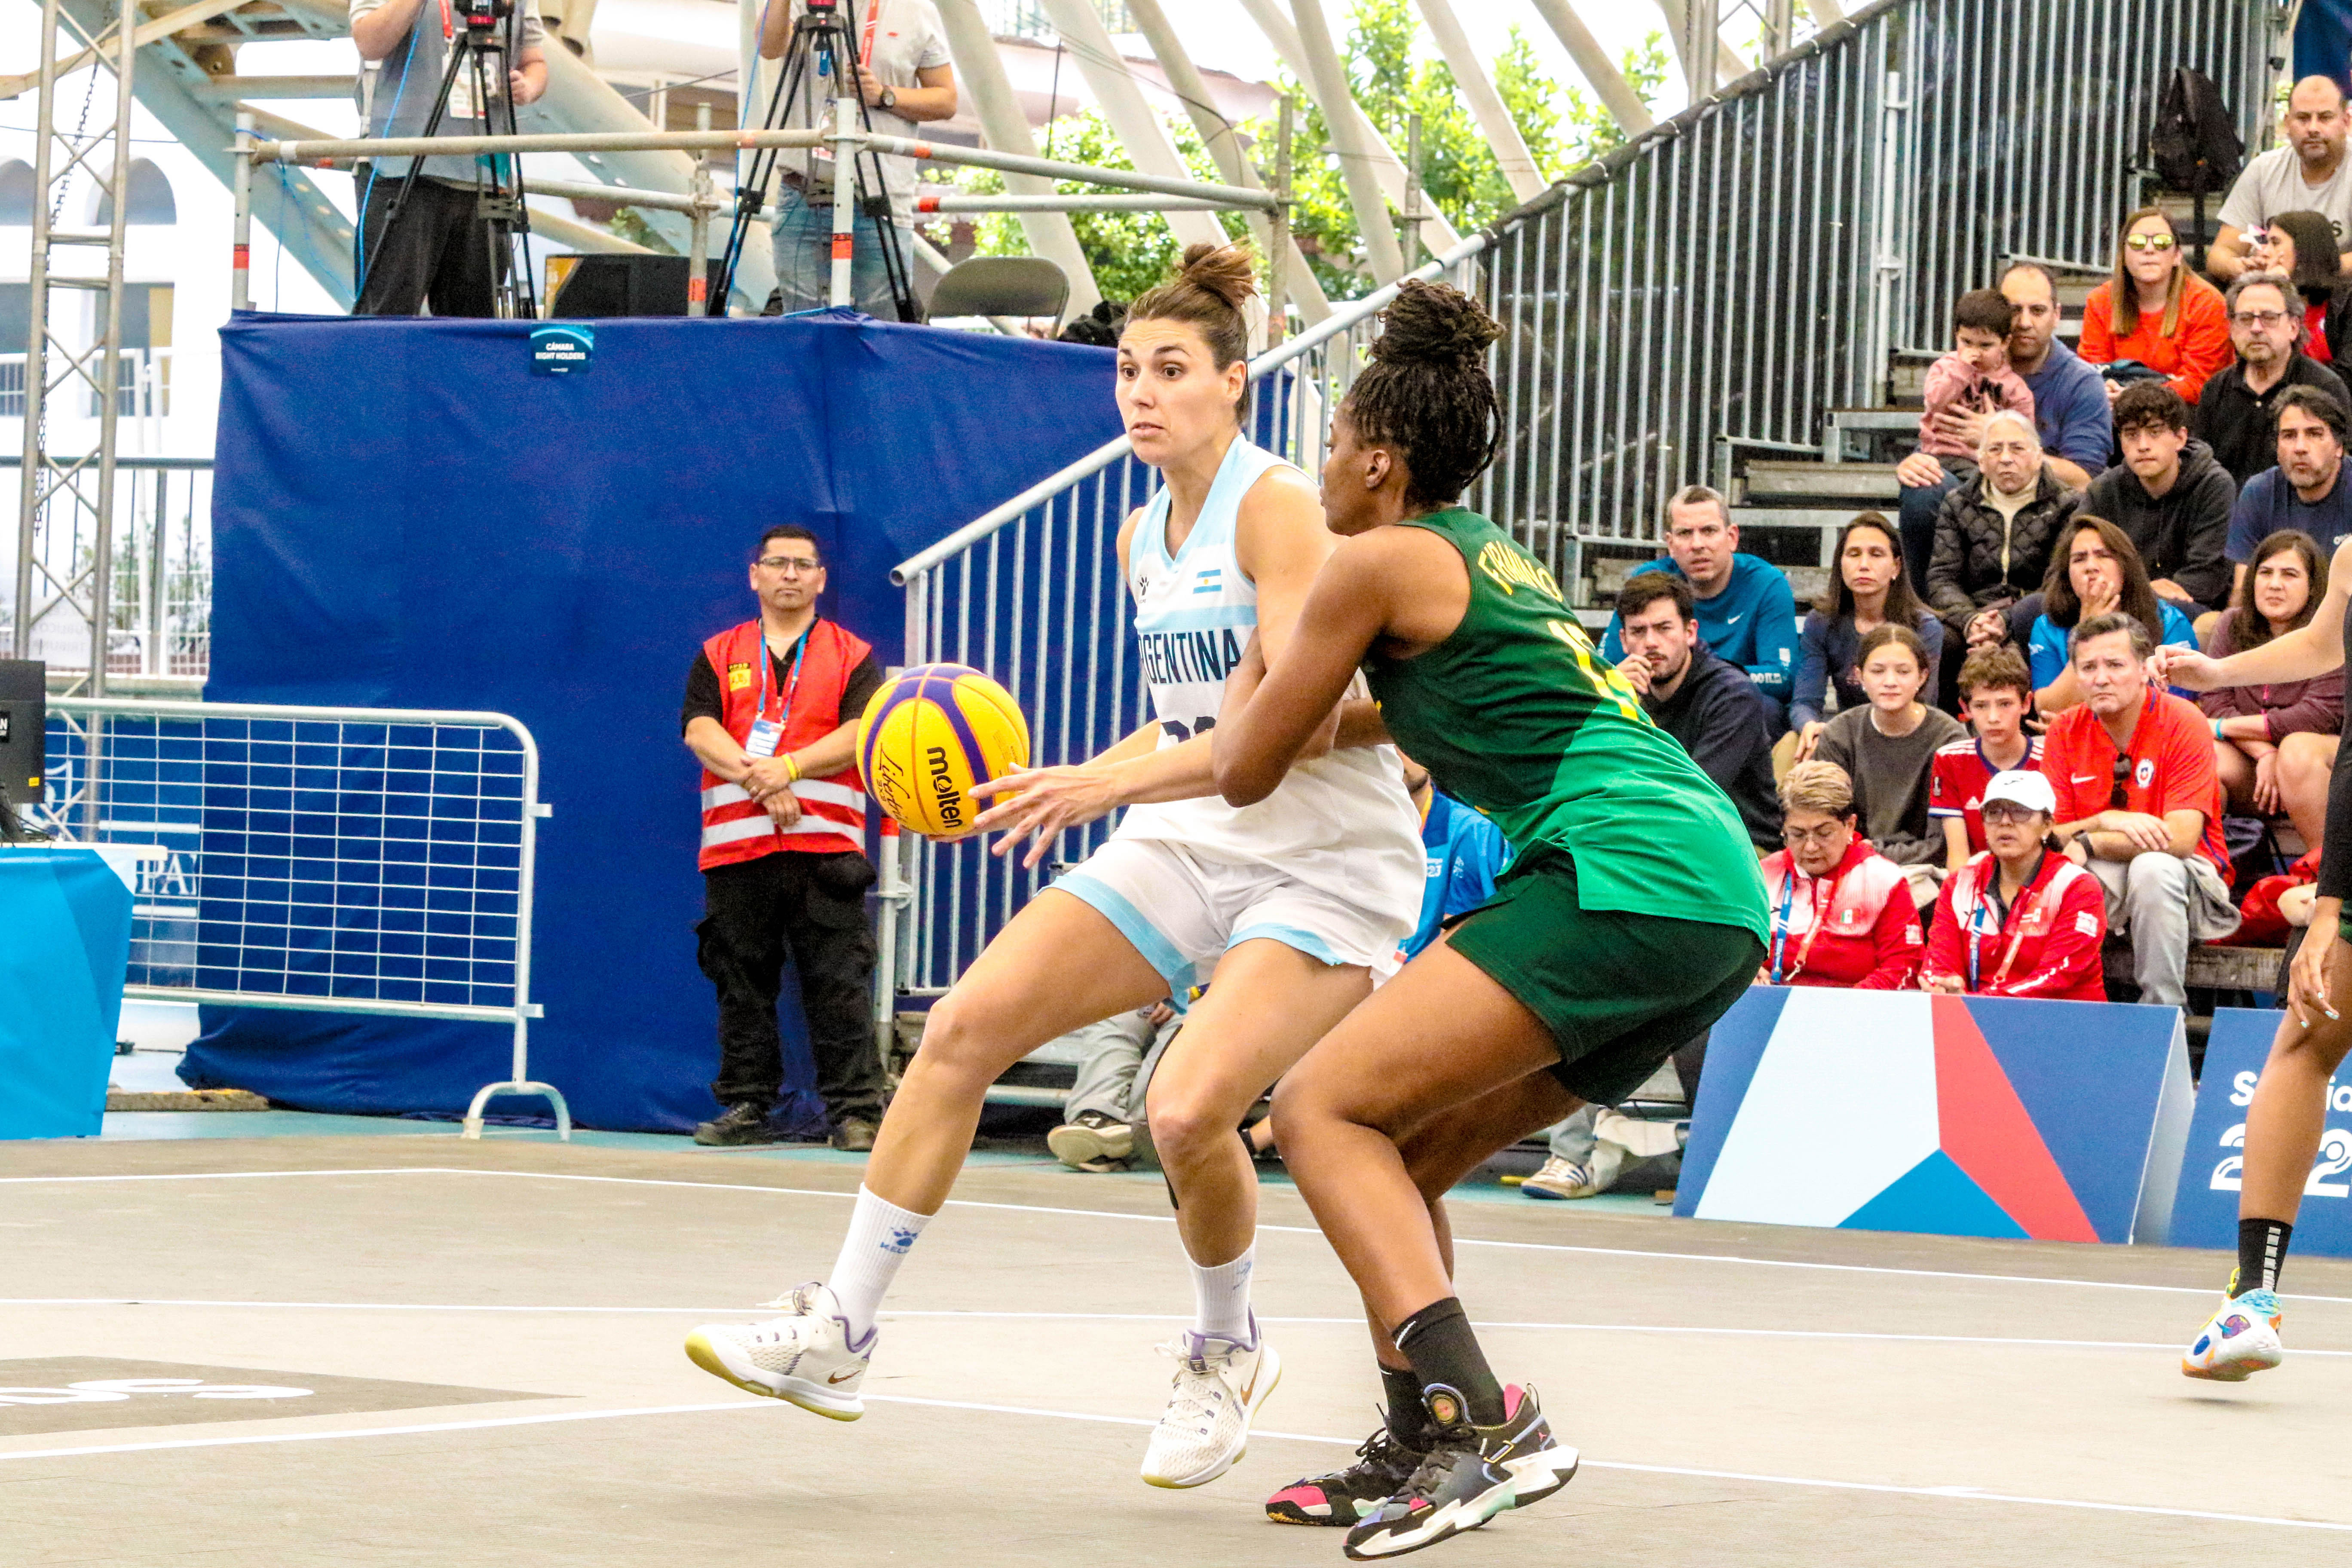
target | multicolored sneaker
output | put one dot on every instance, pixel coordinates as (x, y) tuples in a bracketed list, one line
[(2240, 1338), (1219, 1384), (1382, 1466), (805, 1358), (1471, 1474)]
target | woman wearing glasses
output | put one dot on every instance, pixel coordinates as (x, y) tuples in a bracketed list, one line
[(2021, 918), (2156, 310), (1840, 912)]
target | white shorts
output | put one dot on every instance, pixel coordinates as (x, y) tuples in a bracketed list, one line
[(1183, 910)]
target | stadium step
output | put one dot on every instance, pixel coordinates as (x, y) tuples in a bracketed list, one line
[(1771, 481)]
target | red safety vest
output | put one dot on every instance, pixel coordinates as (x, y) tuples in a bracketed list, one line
[(832, 810), (1843, 906), (2034, 917)]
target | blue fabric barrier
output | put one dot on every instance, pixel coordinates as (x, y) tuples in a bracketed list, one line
[(68, 920), (1943, 1115), (2323, 46), (2205, 1214), (404, 515)]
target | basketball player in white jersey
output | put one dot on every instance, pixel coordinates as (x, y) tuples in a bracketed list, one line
[(1291, 902)]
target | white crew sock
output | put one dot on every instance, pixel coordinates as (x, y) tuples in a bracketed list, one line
[(1221, 1296), (880, 1236)]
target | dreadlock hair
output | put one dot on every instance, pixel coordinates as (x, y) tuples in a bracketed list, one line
[(1426, 392), (1207, 294)]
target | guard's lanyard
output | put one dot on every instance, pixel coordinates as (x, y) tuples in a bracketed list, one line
[(865, 45), (791, 685), (1991, 896), (1824, 893), (448, 23)]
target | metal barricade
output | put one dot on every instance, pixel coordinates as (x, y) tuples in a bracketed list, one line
[(160, 609), (371, 860)]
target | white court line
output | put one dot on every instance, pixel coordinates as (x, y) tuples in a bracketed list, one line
[(243, 1438), (1169, 1219), (1965, 1494), (892, 1313)]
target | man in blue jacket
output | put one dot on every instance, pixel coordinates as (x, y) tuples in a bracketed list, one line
[(1746, 611)]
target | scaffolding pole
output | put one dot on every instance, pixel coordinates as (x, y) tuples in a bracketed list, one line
[(57, 571)]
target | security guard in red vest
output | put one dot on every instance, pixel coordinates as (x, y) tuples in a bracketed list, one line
[(771, 710)]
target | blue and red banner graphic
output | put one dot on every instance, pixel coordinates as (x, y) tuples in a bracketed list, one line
[(1945, 1115)]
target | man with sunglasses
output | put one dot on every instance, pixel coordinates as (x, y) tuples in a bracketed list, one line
[(2236, 412), (772, 711), (2138, 804)]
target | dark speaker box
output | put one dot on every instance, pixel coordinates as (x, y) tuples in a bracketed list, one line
[(24, 715), (607, 286)]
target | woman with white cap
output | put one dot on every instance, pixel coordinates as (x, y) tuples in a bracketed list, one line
[(2021, 918)]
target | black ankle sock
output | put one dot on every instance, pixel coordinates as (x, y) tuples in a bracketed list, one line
[(1438, 1341), (1408, 1417), (2262, 1252)]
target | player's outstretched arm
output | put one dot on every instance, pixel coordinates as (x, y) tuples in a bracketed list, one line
[(1265, 726), (2311, 650)]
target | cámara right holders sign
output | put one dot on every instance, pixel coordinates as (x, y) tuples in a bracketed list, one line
[(2205, 1210)]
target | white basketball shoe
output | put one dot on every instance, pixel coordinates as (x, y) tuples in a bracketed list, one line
[(2240, 1338), (805, 1358), (1218, 1387)]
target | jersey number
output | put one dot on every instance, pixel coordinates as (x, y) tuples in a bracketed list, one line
[(1606, 683)]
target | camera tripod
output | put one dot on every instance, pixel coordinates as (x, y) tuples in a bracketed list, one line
[(481, 54), (820, 49)]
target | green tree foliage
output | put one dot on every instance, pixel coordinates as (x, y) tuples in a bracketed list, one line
[(1129, 252), (1394, 77), (1564, 129)]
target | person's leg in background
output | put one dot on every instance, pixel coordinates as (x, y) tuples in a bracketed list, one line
[(1579, 1165), (395, 268), (741, 949), (1915, 516), (804, 254), (833, 950), (2147, 900), (2307, 761), (1097, 1130), (474, 257)]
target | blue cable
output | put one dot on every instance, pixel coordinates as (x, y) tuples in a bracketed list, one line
[(376, 164)]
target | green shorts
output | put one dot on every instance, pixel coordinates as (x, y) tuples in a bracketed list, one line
[(1619, 991)]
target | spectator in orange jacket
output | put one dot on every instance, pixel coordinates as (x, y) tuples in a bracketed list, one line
[(1842, 913), (2156, 310), (2020, 920)]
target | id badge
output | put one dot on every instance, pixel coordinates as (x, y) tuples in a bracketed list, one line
[(765, 735)]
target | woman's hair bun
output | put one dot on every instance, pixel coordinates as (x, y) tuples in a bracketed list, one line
[(1229, 271), (1433, 324)]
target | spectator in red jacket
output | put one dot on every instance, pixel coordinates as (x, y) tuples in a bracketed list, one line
[(2020, 920), (1842, 913), (2157, 310)]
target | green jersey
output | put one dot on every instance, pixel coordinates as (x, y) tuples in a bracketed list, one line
[(1516, 714)]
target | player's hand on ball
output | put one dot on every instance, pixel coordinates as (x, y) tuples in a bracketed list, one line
[(1044, 802)]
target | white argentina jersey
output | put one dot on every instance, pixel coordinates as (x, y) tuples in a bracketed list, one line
[(1343, 822)]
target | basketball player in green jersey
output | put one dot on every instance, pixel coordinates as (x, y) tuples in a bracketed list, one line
[(1631, 919)]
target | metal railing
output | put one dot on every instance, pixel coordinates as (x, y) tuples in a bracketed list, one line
[(1031, 594), (159, 612), (1749, 264), (329, 859)]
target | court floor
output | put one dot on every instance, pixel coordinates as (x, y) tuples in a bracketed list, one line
[(408, 1349)]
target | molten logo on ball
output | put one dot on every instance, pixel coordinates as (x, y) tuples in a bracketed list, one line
[(930, 736)]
